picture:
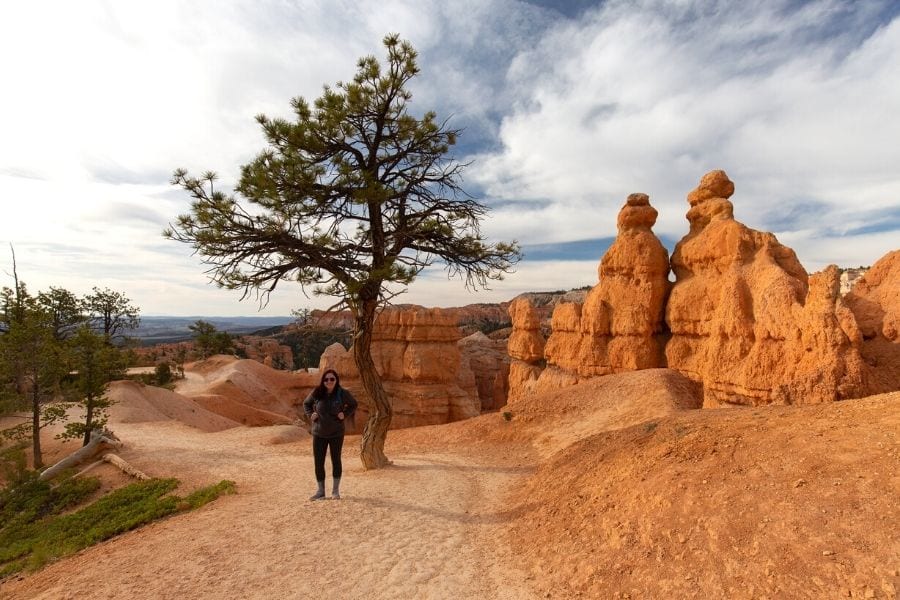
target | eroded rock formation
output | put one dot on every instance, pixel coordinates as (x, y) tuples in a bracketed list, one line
[(743, 317), (849, 277), (525, 348), (619, 326), (875, 303), (415, 352), (247, 391), (746, 319), (489, 365), (267, 351)]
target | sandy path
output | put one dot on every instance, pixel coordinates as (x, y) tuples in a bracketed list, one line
[(428, 527), (191, 383)]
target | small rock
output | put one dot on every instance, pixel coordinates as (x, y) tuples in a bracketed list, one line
[(827, 553), (799, 483)]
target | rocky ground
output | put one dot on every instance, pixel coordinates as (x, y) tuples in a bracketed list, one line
[(617, 487)]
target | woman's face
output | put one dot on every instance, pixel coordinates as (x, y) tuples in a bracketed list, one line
[(330, 380)]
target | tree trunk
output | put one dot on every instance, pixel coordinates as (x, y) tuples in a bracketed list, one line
[(88, 419), (123, 466), (375, 431), (36, 425), (89, 409), (100, 440)]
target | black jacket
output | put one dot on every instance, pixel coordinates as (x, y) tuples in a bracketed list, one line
[(328, 425)]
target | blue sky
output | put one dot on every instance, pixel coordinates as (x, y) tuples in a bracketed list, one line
[(566, 109)]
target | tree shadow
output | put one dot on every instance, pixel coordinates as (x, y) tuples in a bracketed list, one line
[(473, 514), (457, 516)]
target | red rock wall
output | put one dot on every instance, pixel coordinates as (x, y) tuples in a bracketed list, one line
[(743, 317), (415, 352), (525, 347), (267, 351), (619, 325), (746, 320), (489, 365), (875, 304)]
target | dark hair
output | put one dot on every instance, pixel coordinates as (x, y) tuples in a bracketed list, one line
[(321, 391)]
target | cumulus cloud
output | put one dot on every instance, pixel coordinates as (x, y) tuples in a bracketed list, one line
[(544, 275), (795, 102), (565, 112)]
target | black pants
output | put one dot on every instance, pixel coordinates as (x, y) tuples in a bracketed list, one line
[(320, 445)]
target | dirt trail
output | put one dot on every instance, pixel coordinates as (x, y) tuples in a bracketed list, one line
[(427, 527), (192, 383), (614, 488)]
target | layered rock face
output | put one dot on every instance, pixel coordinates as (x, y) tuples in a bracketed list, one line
[(489, 365), (246, 391), (746, 319), (875, 303), (743, 317), (267, 351), (525, 347), (849, 277), (619, 326), (416, 354)]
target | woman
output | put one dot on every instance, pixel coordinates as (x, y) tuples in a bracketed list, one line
[(327, 407)]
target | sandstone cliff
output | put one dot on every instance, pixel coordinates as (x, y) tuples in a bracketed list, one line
[(525, 347), (266, 350), (746, 319), (849, 277), (619, 327), (875, 303), (489, 365), (415, 352), (743, 318)]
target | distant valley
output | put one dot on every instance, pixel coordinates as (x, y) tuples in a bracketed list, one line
[(164, 330)]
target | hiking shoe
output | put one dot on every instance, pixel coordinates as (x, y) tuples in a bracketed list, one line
[(317, 496)]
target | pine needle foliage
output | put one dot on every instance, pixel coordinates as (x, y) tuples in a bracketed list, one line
[(36, 529), (353, 198)]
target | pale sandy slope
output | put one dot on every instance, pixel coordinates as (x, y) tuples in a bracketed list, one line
[(424, 528), (611, 489)]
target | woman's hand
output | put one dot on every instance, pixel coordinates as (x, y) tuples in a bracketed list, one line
[(341, 415), (314, 417)]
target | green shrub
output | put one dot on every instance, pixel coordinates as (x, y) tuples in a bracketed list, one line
[(163, 373), (33, 530), (210, 493)]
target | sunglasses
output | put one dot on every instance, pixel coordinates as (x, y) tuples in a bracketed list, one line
[(329, 379)]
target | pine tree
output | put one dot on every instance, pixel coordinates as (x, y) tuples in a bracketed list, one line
[(32, 365), (96, 364), (353, 198)]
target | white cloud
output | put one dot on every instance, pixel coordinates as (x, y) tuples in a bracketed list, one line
[(564, 117), (648, 97), (532, 276)]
